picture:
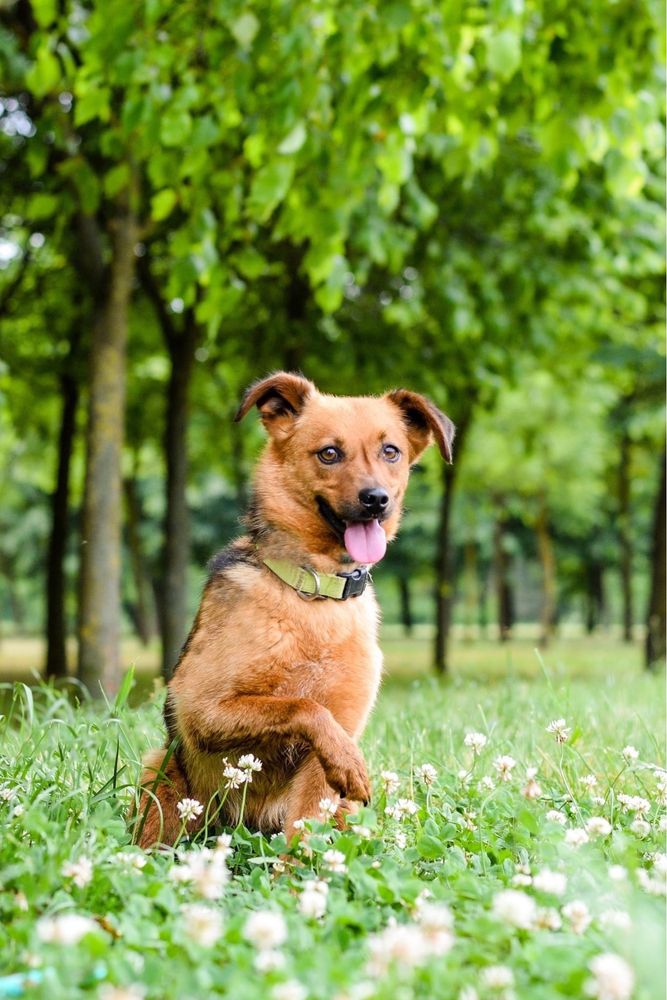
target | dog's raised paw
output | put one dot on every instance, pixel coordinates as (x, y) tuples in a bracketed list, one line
[(347, 775)]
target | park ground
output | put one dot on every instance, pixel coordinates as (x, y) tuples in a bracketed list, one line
[(522, 863)]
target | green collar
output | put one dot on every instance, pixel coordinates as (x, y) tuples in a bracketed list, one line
[(310, 585)]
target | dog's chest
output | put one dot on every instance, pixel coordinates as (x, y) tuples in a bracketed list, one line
[(326, 651)]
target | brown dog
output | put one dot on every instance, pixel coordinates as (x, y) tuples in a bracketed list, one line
[(282, 660)]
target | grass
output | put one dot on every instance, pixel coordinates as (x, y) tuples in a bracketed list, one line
[(68, 772)]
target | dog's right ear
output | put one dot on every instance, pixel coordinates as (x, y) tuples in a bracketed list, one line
[(279, 399)]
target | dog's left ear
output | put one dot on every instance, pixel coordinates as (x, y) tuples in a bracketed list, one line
[(279, 398), (423, 421)]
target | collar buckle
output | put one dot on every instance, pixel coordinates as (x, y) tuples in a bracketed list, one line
[(355, 582)]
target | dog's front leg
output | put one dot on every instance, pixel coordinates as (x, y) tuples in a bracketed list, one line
[(306, 792), (230, 722)]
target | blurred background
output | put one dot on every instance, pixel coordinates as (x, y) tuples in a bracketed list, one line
[(462, 198)]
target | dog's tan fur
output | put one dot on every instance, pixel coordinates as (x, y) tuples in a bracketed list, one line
[(264, 671)]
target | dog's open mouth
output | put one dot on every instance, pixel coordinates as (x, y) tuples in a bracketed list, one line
[(365, 541)]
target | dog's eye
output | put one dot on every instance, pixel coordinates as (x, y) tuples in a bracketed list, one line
[(330, 455), (391, 453)]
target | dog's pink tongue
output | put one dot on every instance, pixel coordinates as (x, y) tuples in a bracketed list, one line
[(365, 541)]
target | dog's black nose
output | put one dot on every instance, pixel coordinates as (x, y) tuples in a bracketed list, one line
[(374, 500)]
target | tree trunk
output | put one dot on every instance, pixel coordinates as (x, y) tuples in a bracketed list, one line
[(471, 586), (624, 534), (504, 597), (548, 563), (176, 554), (656, 625), (56, 628), (482, 608), (143, 614), (100, 601), (407, 620), (594, 576), (444, 590)]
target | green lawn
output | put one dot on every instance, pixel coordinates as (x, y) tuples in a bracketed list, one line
[(469, 838)]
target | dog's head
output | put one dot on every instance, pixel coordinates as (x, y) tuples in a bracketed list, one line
[(336, 468)]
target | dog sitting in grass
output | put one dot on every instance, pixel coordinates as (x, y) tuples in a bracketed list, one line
[(282, 661)]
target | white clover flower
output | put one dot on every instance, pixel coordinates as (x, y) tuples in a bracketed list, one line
[(203, 925), (464, 776), (278, 866), (521, 879), (655, 886), (548, 919), (390, 782), (436, 922), (401, 808), (617, 873), (556, 816), (334, 861), (577, 915), (404, 944), (504, 766), (515, 908), (640, 827), (486, 784), (129, 859), (248, 763), (589, 780), (426, 773), (660, 863), (576, 837), (265, 929), (661, 780), (531, 790), (132, 992), (363, 832), (613, 978), (80, 871), (634, 803), (630, 753), (268, 960), (18, 810), (616, 919), (205, 870), (597, 826), (7, 793), (559, 730), (223, 846), (328, 807), (189, 809), (313, 899), (597, 800), (299, 824), (554, 883), (476, 741), (662, 824), (468, 993), (65, 928), (291, 990), (497, 977), (422, 898), (401, 840), (234, 775)]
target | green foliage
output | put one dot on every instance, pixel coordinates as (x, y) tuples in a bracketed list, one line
[(464, 199)]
